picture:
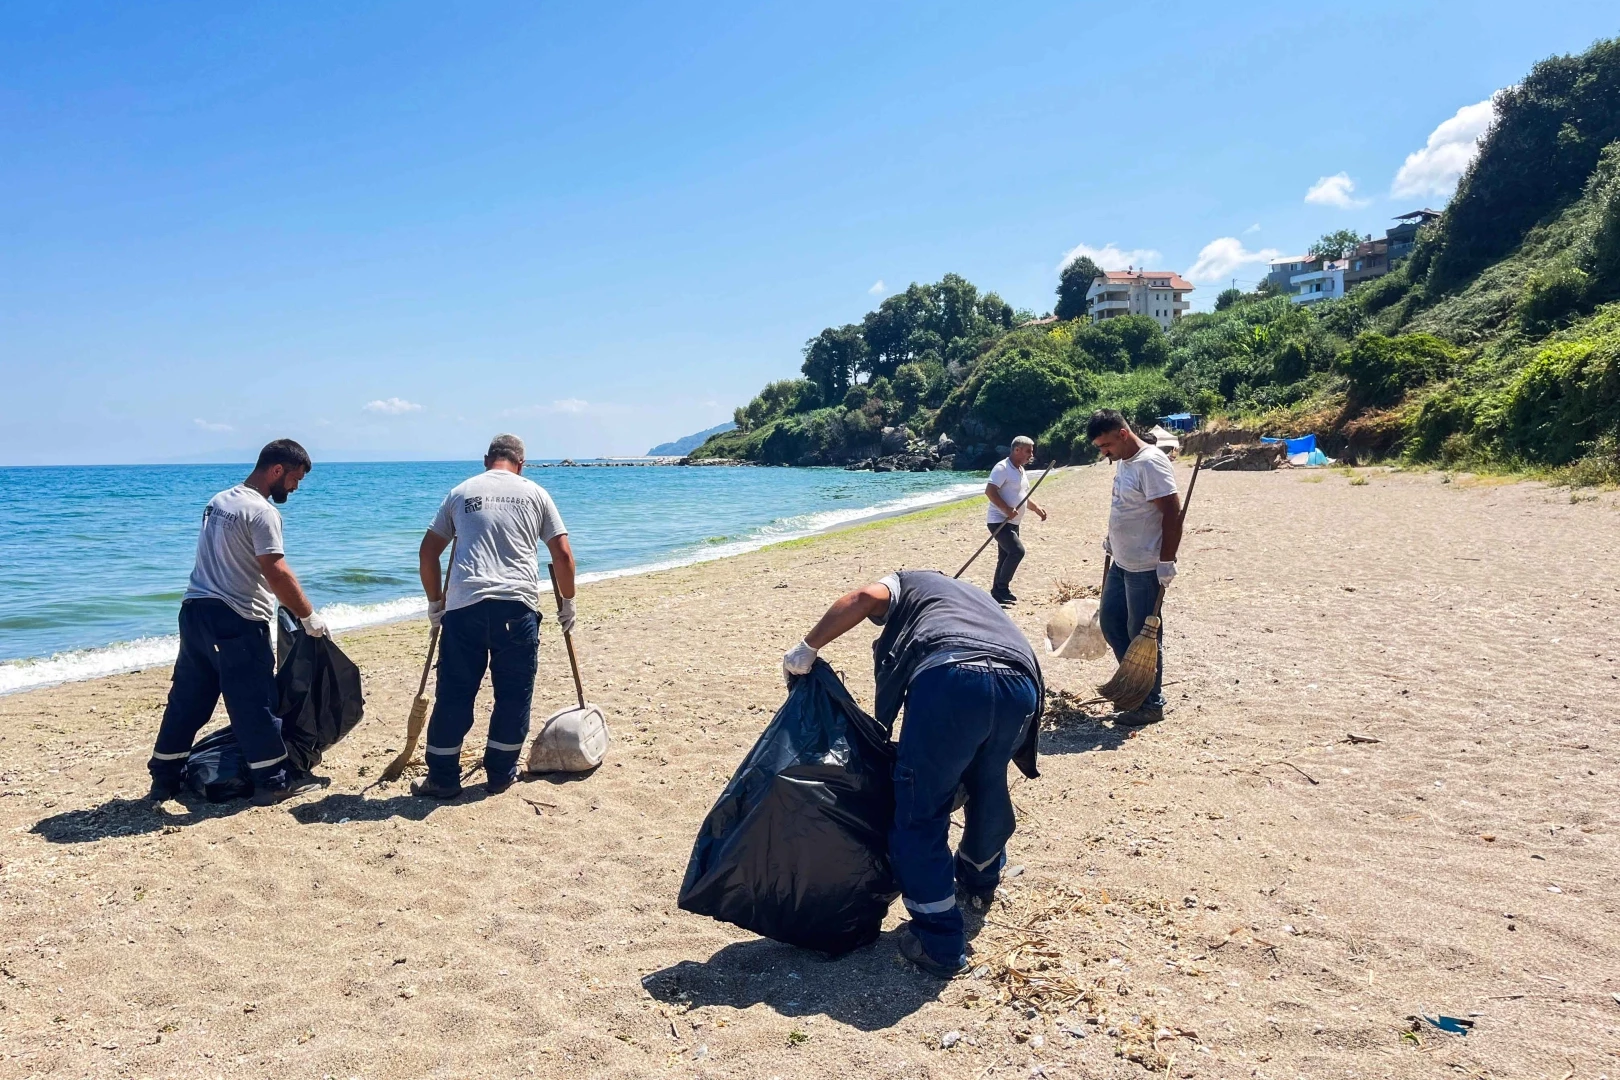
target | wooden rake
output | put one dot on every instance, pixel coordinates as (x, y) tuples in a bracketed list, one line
[(1133, 681)]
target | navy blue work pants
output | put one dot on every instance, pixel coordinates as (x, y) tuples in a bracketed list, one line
[(962, 724), (1127, 600), (222, 654), (504, 637)]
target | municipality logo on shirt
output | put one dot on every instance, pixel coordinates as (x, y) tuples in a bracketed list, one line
[(472, 504)]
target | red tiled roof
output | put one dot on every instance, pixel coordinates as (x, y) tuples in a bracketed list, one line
[(1124, 277)]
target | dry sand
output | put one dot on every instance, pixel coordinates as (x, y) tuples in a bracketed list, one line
[(1236, 892)]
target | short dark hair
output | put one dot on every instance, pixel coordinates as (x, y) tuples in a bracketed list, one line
[(286, 453), (1103, 421)]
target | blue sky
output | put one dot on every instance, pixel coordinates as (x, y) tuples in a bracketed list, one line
[(393, 231)]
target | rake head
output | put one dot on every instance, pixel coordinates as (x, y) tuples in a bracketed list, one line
[(1133, 681)]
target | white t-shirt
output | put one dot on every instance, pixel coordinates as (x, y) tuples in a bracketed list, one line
[(238, 525), (1012, 484), (1135, 525), (498, 520)]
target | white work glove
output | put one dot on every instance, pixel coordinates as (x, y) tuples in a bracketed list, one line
[(1108, 547), (1167, 572), (435, 613), (565, 613), (798, 661), (313, 624)]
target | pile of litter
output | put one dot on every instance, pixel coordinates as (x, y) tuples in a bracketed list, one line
[(1027, 954)]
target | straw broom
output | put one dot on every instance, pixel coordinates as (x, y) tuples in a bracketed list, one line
[(1133, 681), (419, 708)]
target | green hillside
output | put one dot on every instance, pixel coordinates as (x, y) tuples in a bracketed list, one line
[(1496, 342)]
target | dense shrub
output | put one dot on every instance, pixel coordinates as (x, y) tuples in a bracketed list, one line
[(1551, 295), (1564, 400), (1381, 369)]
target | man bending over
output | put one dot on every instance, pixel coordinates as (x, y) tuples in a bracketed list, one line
[(972, 689)]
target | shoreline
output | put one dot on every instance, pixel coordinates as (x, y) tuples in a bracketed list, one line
[(144, 653)]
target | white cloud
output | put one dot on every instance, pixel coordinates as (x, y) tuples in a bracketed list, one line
[(570, 405), (208, 426), (1110, 256), (1434, 169), (1252, 229), (1221, 258), (1336, 190), (392, 406), (878, 288)]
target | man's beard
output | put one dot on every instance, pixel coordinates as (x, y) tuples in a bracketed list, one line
[(278, 492)]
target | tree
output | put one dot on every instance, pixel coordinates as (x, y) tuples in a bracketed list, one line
[(1073, 284), (1227, 298), (832, 358), (1336, 244), (910, 386)]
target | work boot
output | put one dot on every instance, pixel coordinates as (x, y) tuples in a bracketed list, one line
[(297, 784), (495, 787), (427, 789), (911, 947), (164, 789), (1003, 596), (1141, 717)]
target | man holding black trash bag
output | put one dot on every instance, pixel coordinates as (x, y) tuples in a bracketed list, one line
[(239, 575), (972, 691)]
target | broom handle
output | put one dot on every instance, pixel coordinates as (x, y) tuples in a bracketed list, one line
[(1182, 520), (1004, 523), (568, 639), (433, 635)]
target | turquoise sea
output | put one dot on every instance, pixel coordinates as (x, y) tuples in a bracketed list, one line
[(93, 560)]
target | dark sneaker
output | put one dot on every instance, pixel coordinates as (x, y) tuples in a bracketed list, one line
[(1138, 717), (912, 949), (1003, 597), (976, 901), (297, 784), (427, 789), (164, 790)]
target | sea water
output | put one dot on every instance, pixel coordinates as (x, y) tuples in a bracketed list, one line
[(94, 560)]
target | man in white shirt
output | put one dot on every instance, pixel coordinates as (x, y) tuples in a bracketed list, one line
[(489, 615), (1144, 533), (225, 615), (1007, 488)]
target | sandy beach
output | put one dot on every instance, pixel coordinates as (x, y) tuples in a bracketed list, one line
[(1388, 786)]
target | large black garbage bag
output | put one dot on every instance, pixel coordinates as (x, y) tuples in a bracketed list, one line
[(216, 769), (796, 848), (321, 696), (320, 701)]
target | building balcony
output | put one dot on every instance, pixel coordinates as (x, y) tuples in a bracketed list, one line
[(1110, 305)]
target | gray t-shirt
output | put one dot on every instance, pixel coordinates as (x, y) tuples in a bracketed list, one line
[(1135, 525), (498, 520), (238, 526)]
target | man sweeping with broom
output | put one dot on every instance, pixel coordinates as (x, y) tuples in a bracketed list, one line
[(489, 614), (1144, 533)]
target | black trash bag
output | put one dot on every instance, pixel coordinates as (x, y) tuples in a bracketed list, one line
[(797, 846), (217, 770), (320, 701), (321, 697)]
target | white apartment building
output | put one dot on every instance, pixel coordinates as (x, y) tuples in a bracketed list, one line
[(1160, 294), (1323, 283)]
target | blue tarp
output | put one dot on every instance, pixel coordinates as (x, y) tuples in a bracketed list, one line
[(1302, 445), (1179, 421)]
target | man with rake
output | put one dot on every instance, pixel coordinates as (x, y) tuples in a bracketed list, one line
[(1144, 533)]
